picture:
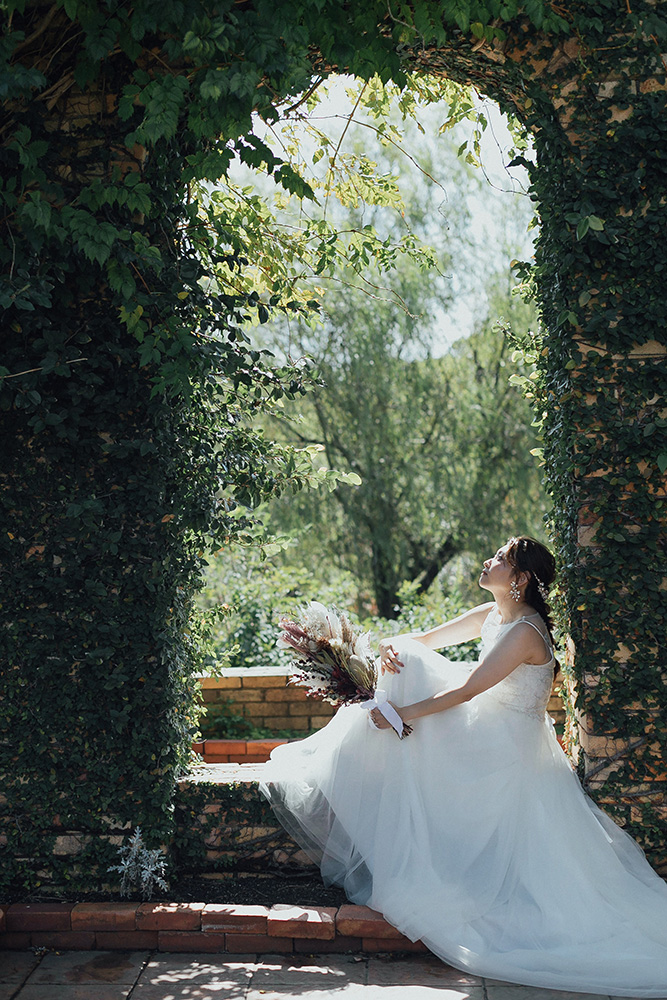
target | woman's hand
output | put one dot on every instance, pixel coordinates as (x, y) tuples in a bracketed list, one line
[(379, 720), (389, 660)]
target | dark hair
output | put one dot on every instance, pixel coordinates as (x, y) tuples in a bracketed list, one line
[(526, 555)]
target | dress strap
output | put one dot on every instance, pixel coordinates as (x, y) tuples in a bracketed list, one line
[(539, 631)]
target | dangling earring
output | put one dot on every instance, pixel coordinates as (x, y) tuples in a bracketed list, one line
[(515, 593)]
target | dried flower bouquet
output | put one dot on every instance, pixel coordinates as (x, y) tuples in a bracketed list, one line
[(335, 661)]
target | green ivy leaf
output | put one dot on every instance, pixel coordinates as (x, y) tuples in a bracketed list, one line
[(583, 226)]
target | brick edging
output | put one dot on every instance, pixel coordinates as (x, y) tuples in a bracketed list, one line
[(203, 927), (221, 751)]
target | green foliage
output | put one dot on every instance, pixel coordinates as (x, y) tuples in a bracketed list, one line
[(433, 488), (598, 385), (222, 722), (314, 241), (242, 807), (436, 489), (259, 591), (127, 393), (128, 384)]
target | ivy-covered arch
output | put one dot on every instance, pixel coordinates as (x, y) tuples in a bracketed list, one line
[(118, 430)]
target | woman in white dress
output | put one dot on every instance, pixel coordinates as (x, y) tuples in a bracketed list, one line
[(473, 834)]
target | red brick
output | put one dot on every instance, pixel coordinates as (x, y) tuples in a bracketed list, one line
[(126, 940), (216, 758), (240, 943), (302, 921), (39, 916), (263, 746), (248, 758), (104, 916), (65, 940), (14, 942), (243, 695), (169, 916), (319, 721), (213, 684), (264, 681), (281, 722), (299, 724), (238, 919), (309, 946), (300, 708), (267, 710), (361, 921), (286, 694), (392, 944), (198, 746), (225, 746), (190, 941)]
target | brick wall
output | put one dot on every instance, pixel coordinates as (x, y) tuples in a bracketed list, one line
[(263, 695)]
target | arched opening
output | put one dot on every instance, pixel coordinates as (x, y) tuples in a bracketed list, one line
[(113, 345)]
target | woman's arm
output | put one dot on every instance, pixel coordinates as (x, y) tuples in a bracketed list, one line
[(461, 629), (519, 645)]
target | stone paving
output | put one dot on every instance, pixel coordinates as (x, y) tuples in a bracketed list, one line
[(137, 975)]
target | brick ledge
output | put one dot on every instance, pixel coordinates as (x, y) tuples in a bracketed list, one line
[(221, 751), (204, 927)]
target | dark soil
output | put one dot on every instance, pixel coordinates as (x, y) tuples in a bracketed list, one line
[(297, 888), (300, 889)]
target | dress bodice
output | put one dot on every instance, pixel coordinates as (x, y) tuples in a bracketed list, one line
[(528, 688)]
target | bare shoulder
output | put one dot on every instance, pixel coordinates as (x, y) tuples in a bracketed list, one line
[(523, 641)]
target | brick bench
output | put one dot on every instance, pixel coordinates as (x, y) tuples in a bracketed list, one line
[(199, 927)]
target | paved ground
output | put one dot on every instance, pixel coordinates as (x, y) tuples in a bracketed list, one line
[(113, 975)]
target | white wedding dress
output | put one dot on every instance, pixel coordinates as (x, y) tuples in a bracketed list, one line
[(473, 834)]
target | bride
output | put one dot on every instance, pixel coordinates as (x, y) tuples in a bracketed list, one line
[(473, 834)]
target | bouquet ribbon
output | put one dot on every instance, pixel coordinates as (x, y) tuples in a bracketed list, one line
[(381, 701)]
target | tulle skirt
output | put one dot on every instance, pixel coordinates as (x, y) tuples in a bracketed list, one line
[(473, 834)]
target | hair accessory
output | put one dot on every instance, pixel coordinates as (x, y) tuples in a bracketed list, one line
[(515, 593), (542, 589)]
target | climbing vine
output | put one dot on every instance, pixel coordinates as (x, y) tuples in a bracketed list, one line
[(128, 387), (128, 383)]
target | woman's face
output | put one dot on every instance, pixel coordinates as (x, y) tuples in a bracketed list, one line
[(497, 573)]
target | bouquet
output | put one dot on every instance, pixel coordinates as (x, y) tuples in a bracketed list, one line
[(335, 662)]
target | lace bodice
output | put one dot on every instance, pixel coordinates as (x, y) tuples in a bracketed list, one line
[(528, 687)]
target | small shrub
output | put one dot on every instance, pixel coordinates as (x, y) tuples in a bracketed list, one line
[(141, 869)]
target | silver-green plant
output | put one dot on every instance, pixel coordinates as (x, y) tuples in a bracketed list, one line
[(141, 869)]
